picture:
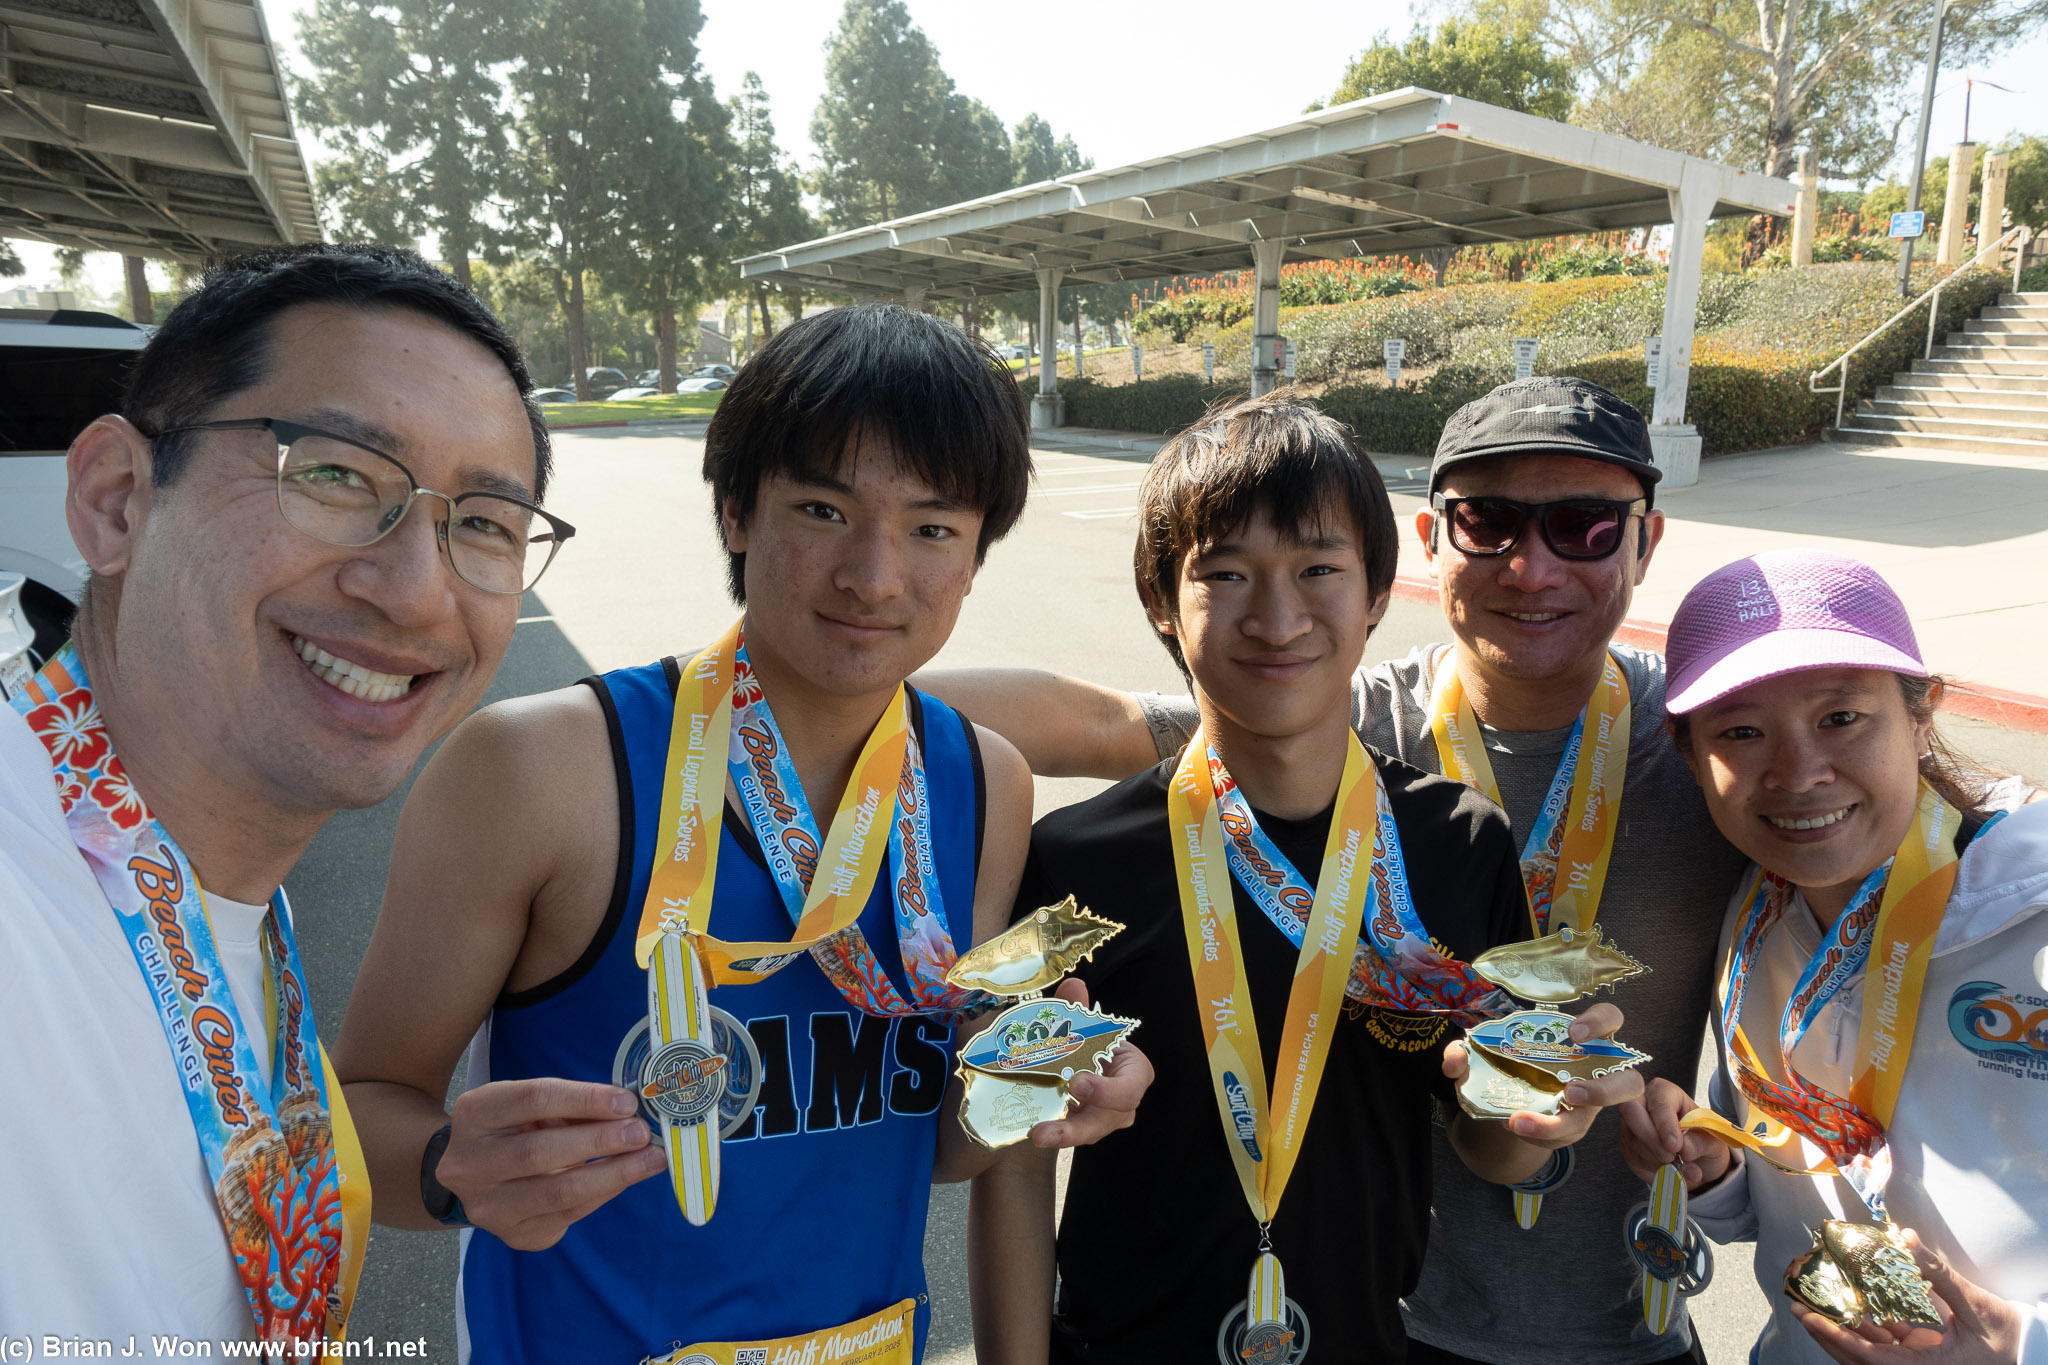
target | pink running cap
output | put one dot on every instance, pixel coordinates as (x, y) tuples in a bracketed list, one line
[(1782, 612)]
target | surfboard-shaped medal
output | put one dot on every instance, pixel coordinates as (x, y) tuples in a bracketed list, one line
[(1674, 1257), (684, 1078)]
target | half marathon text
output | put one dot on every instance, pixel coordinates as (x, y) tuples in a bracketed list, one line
[(52, 1347)]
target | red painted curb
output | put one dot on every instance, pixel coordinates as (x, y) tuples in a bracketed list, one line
[(2014, 710)]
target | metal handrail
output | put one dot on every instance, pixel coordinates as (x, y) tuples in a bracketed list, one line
[(2017, 235)]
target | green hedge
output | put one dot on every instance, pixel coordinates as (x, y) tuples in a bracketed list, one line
[(1163, 405)]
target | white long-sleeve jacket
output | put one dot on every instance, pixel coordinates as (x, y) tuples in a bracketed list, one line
[(1969, 1138)]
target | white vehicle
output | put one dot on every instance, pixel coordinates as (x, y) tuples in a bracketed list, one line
[(58, 371), (702, 386), (622, 395)]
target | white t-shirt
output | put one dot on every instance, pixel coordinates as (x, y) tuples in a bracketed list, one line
[(111, 1229)]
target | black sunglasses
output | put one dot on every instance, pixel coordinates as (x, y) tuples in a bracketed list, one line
[(1573, 528)]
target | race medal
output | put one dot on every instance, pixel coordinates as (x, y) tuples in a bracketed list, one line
[(1564, 965), (1490, 1093), (1015, 1070), (999, 1113), (280, 1153), (684, 1078), (1574, 830), (1674, 1256), (1537, 1046), (1035, 952), (1856, 1273), (1263, 1152), (1046, 1037), (1268, 1328), (742, 1070)]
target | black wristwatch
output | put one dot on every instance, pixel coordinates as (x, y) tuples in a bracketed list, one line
[(442, 1205)]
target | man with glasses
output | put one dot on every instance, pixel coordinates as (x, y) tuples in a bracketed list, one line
[(1541, 523), (308, 530)]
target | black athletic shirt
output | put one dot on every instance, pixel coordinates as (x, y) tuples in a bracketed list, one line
[(1157, 1241)]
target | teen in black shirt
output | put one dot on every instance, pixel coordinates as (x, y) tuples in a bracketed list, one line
[(1156, 1241), (1266, 547)]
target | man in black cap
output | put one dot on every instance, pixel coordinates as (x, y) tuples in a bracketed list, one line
[(1540, 525)]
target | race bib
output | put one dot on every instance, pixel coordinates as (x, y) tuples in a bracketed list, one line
[(881, 1339)]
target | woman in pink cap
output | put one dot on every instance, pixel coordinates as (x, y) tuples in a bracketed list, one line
[(1882, 1010)]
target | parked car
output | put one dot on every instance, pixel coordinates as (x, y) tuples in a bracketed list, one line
[(554, 395), (638, 391), (706, 385), (1015, 351), (713, 372), (603, 381), (59, 369), (649, 379)]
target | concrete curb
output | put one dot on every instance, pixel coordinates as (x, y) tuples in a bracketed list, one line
[(2014, 710)]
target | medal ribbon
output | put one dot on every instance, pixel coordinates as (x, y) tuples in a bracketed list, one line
[(1574, 831), (1262, 1150), (1895, 914), (824, 907), (286, 1167), (1393, 966), (772, 795)]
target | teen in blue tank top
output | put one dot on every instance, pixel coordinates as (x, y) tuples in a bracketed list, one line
[(862, 464)]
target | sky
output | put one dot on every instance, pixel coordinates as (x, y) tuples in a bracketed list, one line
[(1131, 80)]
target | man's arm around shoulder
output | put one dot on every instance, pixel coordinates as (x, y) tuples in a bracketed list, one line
[(1064, 727), (512, 819)]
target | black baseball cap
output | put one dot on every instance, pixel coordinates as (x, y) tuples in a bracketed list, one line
[(1548, 415)]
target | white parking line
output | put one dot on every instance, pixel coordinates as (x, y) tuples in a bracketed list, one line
[(1101, 513)]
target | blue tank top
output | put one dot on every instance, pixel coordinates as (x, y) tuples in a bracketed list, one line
[(821, 1205)]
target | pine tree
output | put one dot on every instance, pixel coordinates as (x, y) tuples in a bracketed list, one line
[(673, 182), (883, 124), (406, 90), (767, 206), (582, 102)]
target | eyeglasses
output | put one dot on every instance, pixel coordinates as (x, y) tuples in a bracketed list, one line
[(344, 493), (1573, 528)]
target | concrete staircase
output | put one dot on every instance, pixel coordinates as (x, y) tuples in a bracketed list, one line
[(1985, 391)]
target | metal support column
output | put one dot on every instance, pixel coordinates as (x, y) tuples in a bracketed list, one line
[(1674, 445), (1047, 409), (1266, 314), (1804, 221)]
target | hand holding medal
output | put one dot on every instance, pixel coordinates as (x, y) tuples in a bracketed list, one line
[(1019, 1070), (1541, 1062)]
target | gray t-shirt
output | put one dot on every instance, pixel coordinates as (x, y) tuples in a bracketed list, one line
[(1564, 1292)]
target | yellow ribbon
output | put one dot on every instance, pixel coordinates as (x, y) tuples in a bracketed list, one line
[(1591, 819), (1915, 895), (685, 875), (1222, 993)]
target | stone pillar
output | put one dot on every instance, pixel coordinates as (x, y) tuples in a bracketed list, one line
[(1997, 167), (1047, 409), (141, 308), (1804, 222), (1675, 445), (1265, 313), (1955, 211)]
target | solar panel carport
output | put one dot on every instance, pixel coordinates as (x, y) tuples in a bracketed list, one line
[(1399, 172), (152, 128)]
